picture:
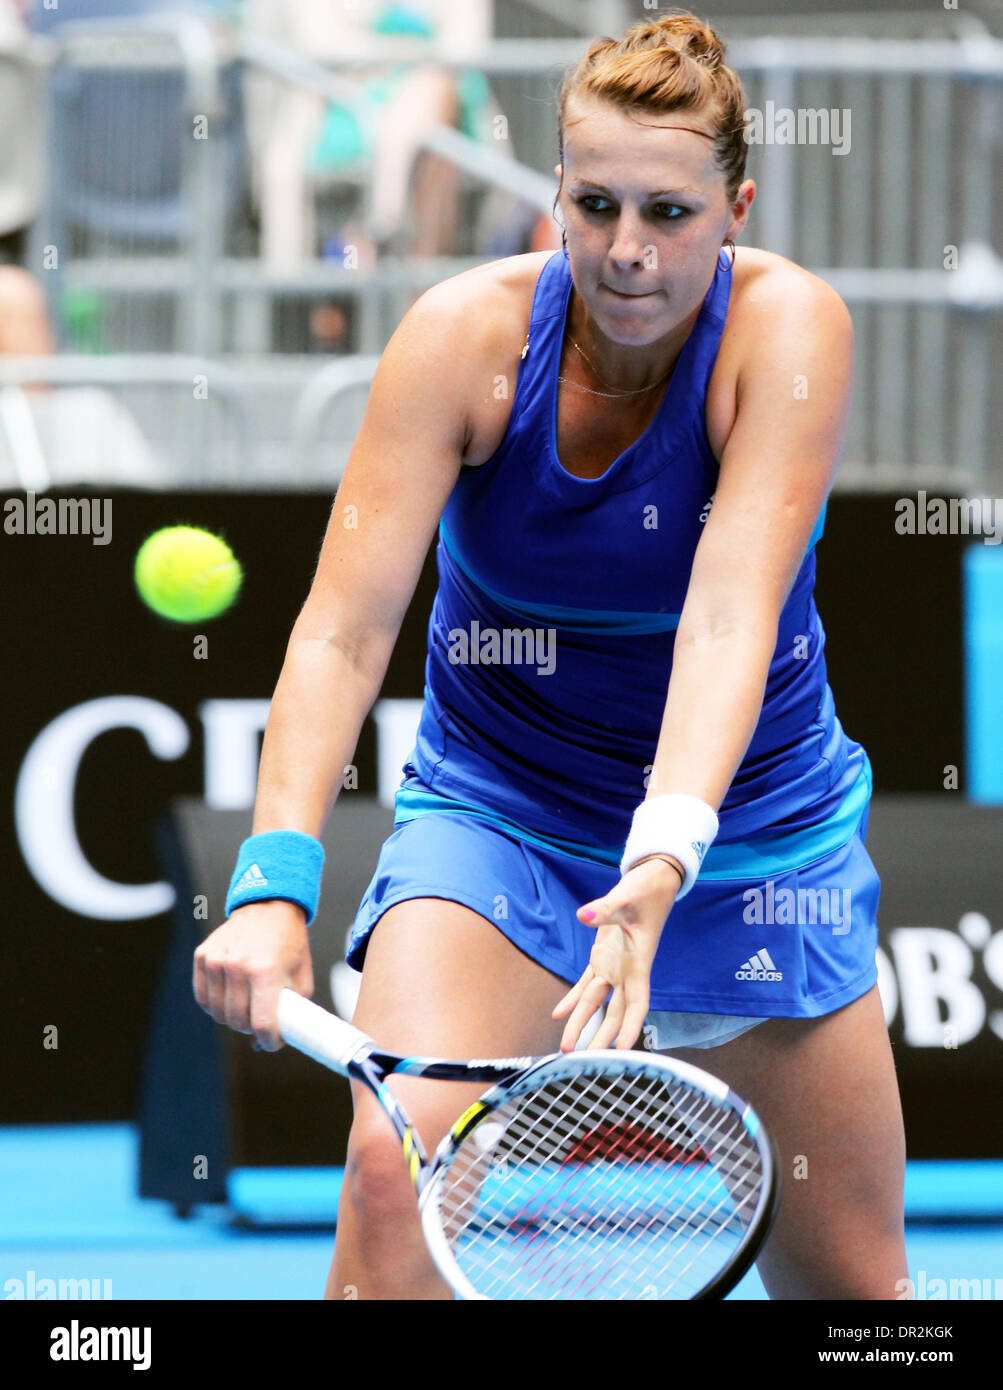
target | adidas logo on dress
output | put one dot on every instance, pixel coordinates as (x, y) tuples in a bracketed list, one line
[(759, 967)]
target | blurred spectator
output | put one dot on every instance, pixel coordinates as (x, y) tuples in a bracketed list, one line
[(297, 137), (24, 318), (61, 436), (25, 328), (20, 187)]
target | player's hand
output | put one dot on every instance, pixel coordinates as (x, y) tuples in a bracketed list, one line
[(628, 923), (240, 968)]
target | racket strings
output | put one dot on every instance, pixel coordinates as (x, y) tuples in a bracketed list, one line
[(680, 1265), (623, 1185), (549, 1254), (716, 1215)]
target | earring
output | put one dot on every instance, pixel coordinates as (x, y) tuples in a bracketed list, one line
[(730, 243)]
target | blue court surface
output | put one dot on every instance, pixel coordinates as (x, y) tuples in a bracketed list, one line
[(69, 1210)]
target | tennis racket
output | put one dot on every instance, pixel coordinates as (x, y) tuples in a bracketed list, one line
[(583, 1175)]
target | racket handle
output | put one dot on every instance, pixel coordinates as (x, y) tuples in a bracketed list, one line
[(319, 1034)]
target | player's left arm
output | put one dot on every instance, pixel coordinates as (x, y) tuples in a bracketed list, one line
[(793, 395), (776, 470)]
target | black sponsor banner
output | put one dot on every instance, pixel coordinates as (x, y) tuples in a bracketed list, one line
[(110, 712), (113, 716)]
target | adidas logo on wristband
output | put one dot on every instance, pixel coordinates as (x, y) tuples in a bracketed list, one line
[(251, 878)]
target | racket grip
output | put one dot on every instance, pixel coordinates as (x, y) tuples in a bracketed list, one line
[(317, 1033)]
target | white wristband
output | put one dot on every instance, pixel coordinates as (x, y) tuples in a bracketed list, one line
[(683, 826)]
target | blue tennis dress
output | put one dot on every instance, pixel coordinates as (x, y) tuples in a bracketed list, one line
[(549, 652)]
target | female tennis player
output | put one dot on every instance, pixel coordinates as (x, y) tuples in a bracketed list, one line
[(629, 786)]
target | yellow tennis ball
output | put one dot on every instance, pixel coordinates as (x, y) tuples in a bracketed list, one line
[(187, 574)]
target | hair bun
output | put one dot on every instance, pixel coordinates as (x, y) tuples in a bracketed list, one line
[(683, 31)]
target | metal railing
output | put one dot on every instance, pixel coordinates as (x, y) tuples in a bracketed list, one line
[(872, 225), (317, 399), (215, 458)]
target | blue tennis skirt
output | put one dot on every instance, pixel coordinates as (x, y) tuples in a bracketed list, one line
[(777, 927)]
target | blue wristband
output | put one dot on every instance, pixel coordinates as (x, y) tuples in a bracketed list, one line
[(278, 864)]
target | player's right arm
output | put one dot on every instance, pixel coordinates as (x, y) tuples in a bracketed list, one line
[(402, 467)]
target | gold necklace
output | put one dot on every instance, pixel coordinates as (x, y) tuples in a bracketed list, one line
[(610, 395)]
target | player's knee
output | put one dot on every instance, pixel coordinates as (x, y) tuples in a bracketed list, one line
[(377, 1177)]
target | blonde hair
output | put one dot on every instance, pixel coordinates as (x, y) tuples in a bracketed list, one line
[(674, 63)]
